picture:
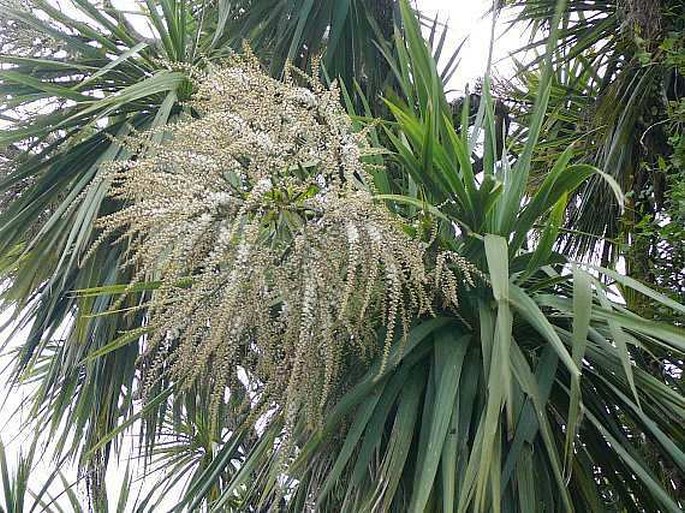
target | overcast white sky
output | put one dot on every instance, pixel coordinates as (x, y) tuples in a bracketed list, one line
[(470, 20), (465, 19)]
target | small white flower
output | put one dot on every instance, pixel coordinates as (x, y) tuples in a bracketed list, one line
[(305, 97), (220, 198), (263, 186), (264, 142)]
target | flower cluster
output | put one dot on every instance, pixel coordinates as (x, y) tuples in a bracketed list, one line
[(258, 218)]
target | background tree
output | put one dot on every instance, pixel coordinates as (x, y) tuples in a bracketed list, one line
[(617, 97)]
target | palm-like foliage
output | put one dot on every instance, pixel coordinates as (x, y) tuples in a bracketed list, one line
[(534, 395), (77, 78), (529, 400), (18, 497), (14, 485), (617, 84)]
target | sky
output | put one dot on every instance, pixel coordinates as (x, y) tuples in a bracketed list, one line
[(466, 20), (470, 21)]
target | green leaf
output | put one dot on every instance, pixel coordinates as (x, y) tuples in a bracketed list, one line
[(529, 386), (450, 350), (497, 254), (627, 281), (620, 339), (640, 470), (401, 436), (529, 310), (582, 309)]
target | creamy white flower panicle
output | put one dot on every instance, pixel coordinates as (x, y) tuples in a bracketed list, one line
[(273, 256)]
